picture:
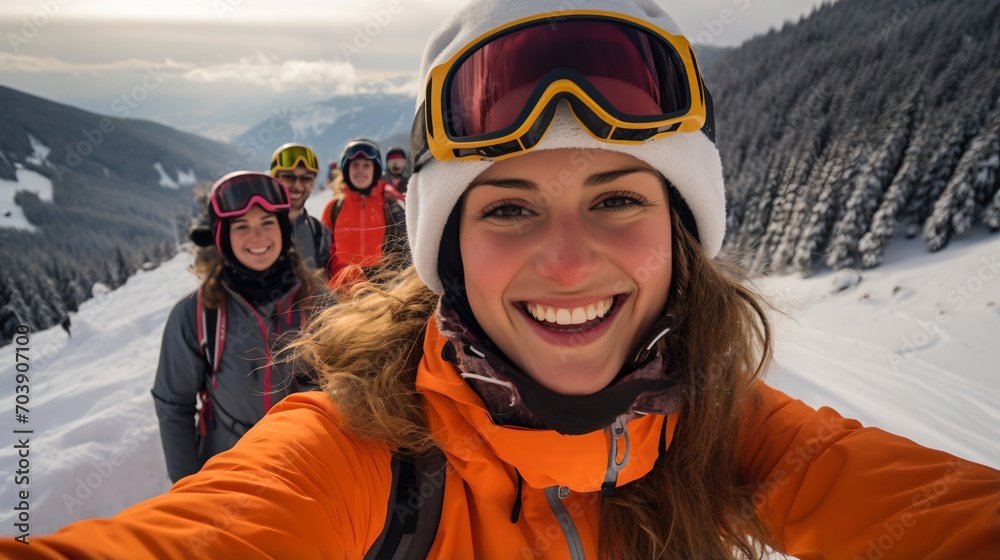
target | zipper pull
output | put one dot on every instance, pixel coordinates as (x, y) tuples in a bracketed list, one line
[(619, 431)]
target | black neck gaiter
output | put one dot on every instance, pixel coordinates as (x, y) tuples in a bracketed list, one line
[(262, 287)]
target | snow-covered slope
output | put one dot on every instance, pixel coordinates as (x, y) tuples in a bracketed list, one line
[(913, 348), (95, 447), (11, 215)]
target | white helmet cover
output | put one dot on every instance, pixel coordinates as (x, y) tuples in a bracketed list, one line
[(688, 160)]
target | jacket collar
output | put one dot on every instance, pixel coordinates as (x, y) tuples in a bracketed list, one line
[(544, 458), (376, 190)]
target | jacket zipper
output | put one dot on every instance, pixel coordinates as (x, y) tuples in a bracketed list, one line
[(364, 226), (566, 522), (619, 431)]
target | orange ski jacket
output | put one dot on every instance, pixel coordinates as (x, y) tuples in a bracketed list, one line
[(360, 230), (296, 486)]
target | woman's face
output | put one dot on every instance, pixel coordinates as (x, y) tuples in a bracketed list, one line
[(255, 238), (361, 171), (567, 261)]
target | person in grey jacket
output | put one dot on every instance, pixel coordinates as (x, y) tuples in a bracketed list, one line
[(296, 166), (222, 345)]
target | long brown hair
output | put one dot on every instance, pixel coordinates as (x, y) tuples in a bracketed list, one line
[(365, 352), (696, 505), (208, 266)]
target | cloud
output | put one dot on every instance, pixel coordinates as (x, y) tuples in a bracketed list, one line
[(327, 77), (319, 76), (45, 64)]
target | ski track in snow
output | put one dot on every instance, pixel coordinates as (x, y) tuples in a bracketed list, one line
[(95, 449), (887, 397)]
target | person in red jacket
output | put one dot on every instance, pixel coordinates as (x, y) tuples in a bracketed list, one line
[(368, 219), (566, 345), (395, 170)]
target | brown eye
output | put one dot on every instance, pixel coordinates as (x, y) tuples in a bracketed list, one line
[(505, 211), (621, 200)]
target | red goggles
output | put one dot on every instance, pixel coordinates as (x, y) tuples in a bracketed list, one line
[(625, 80)]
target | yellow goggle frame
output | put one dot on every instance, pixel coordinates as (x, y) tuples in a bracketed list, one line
[(519, 140)]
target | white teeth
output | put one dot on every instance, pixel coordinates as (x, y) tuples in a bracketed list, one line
[(604, 306), (563, 317), (258, 251), (574, 316)]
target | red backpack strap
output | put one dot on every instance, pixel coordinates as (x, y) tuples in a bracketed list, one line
[(211, 341)]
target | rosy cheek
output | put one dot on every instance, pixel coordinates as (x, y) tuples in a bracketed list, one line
[(490, 268), (642, 252)]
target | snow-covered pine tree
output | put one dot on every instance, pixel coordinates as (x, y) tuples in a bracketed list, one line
[(843, 250), (938, 169), (822, 213), (991, 214), (809, 187), (122, 268), (879, 177), (72, 290), (969, 188)]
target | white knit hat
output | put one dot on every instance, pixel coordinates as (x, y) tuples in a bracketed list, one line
[(689, 160)]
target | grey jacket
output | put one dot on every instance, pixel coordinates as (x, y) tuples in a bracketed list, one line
[(239, 390), (312, 241)]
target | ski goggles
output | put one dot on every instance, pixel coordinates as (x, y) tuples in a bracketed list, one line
[(292, 156), (233, 194), (625, 80), (364, 150)]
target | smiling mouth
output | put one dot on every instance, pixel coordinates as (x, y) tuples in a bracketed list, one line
[(258, 250), (575, 319)]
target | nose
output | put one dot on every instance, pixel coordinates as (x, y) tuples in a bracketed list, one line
[(257, 231), (568, 254)]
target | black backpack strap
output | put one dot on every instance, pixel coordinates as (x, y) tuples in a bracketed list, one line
[(416, 499), (316, 228), (338, 203)]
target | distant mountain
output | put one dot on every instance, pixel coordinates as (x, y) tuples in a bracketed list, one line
[(86, 198), (866, 118), (327, 126)]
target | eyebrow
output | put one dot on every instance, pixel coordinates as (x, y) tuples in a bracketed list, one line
[(521, 184), (594, 180), (612, 176)]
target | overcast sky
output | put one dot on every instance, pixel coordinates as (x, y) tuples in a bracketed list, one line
[(217, 67)]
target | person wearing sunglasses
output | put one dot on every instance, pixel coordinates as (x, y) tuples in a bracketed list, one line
[(367, 219), (296, 166), (222, 344), (567, 350)]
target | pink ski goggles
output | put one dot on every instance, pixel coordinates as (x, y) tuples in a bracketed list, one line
[(234, 194)]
